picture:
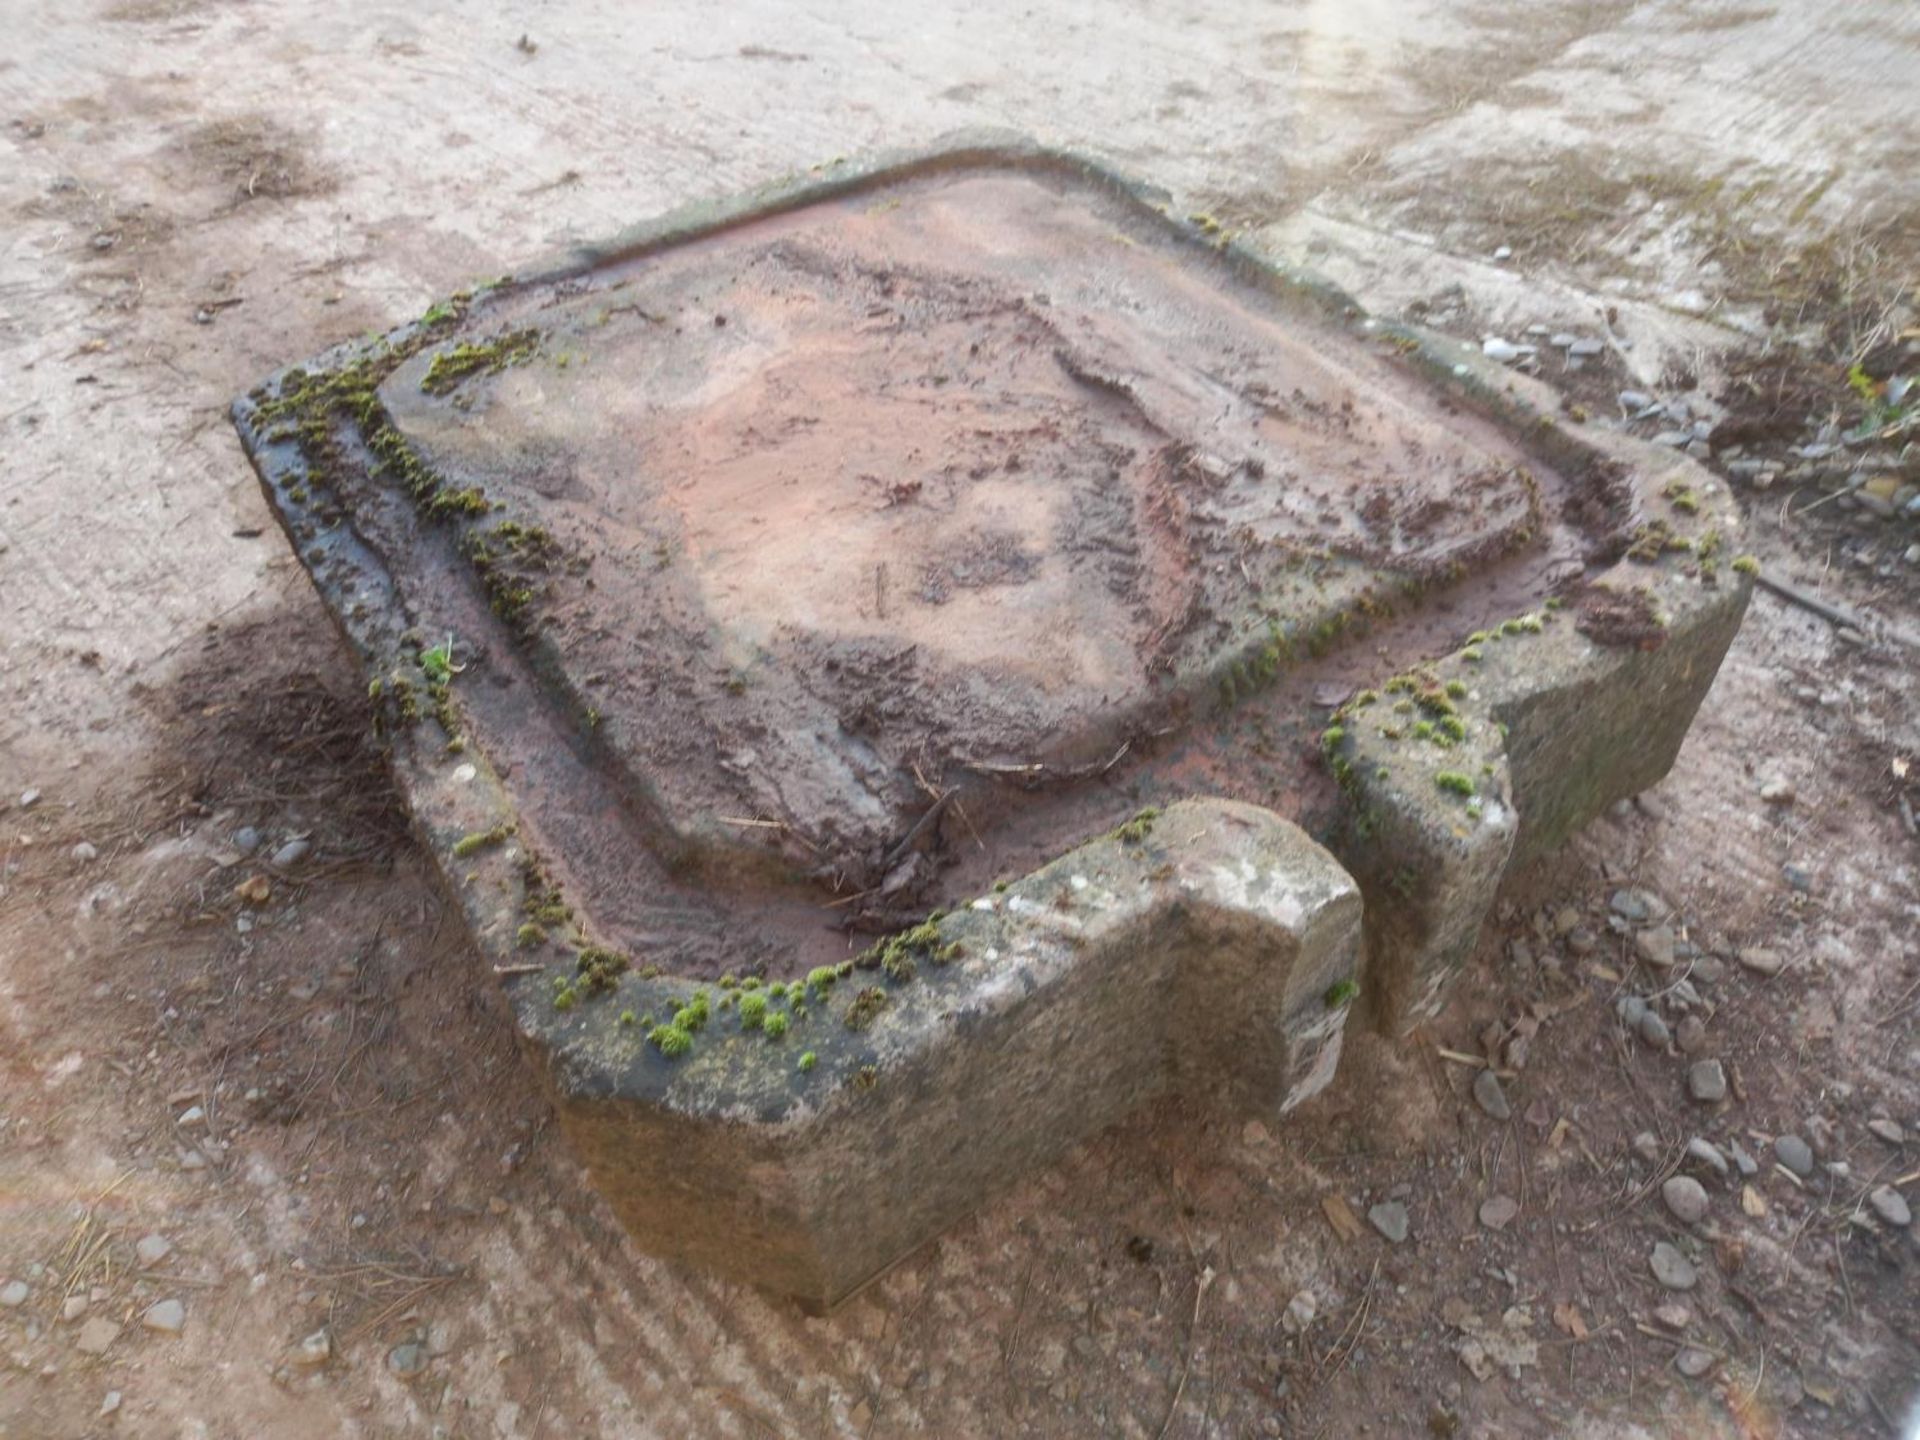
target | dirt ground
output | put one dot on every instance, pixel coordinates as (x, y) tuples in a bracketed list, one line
[(309, 1095)]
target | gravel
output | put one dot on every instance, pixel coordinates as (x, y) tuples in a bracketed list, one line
[(291, 853), (1672, 1269), (1673, 1315), (1390, 1219), (1301, 1311), (1653, 1030), (1708, 1154), (1655, 946), (1637, 906), (408, 1359), (1794, 1153), (1891, 1206), (1686, 1198), (1694, 1363), (1490, 1096), (1498, 1211), (1707, 1081)]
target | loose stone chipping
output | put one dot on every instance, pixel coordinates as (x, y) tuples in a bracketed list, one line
[(1107, 499)]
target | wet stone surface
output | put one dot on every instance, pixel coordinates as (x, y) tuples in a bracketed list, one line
[(879, 549)]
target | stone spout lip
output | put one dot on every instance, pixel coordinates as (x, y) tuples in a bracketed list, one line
[(802, 1124)]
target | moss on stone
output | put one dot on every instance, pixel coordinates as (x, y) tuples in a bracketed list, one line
[(866, 1008)]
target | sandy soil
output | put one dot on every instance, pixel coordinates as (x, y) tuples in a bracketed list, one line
[(198, 192)]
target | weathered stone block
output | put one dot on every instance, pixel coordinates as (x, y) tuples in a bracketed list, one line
[(1214, 951), (792, 565)]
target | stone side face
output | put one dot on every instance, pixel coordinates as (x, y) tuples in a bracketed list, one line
[(1429, 830), (1214, 955), (1607, 724)]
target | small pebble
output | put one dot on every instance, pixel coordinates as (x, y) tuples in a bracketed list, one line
[(1888, 1130), (1742, 1161), (29, 799), (1505, 351), (110, 1404), (1707, 1081), (85, 853), (315, 1350), (1708, 1154), (1301, 1311), (1690, 1034), (97, 1336), (168, 1317), (1797, 877), (1794, 1153), (73, 1307), (1390, 1219), (291, 853), (1777, 792), (1582, 941), (1761, 960), (1686, 1198), (1503, 252), (1490, 1096), (1497, 1211), (1653, 1030), (152, 1249), (1693, 1363), (1585, 348), (1673, 1315), (1821, 1135), (1635, 905), (246, 839), (1891, 1206), (1634, 399), (1647, 1146), (408, 1359), (1672, 1269), (1655, 946), (13, 1294)]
